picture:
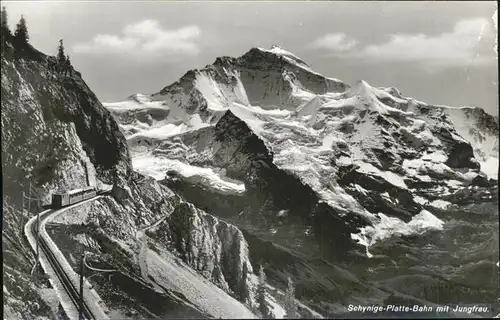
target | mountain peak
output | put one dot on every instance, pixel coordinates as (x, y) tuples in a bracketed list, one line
[(282, 53), (138, 97), (265, 77), (361, 88)]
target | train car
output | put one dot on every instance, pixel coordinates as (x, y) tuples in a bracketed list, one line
[(92, 192), (62, 199)]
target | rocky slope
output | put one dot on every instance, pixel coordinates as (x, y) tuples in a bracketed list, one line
[(320, 173), (55, 132), (56, 135), (159, 242)]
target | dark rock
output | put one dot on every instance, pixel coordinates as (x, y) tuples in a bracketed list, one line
[(481, 180), (386, 158), (404, 208), (121, 193), (461, 155), (418, 184)]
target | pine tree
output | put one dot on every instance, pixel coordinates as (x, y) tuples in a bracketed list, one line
[(261, 293), (243, 288), (61, 57), (5, 24), (290, 305), (4, 30), (68, 65), (21, 36)]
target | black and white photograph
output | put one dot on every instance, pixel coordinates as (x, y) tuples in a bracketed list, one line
[(249, 159)]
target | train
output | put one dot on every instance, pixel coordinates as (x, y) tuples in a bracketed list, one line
[(63, 199)]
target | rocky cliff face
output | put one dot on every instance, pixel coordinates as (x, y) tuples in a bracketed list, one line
[(55, 132), (55, 135), (214, 248)]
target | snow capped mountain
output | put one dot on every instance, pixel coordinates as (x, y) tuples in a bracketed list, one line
[(307, 166), (268, 78), (358, 149)]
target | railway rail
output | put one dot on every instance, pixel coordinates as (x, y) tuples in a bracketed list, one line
[(46, 248), (69, 287)]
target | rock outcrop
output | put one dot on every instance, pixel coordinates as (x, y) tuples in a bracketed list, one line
[(55, 132)]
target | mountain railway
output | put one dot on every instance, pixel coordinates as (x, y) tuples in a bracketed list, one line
[(63, 199), (70, 288), (60, 201)]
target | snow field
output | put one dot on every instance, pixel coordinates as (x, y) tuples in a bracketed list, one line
[(156, 167), (390, 226)]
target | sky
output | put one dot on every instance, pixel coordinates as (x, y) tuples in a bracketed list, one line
[(437, 52)]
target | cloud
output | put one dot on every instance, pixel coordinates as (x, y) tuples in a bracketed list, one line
[(144, 40), (463, 46), (335, 42)]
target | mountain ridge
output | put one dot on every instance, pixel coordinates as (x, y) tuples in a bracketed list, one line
[(314, 132)]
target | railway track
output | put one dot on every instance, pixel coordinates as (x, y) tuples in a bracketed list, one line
[(69, 287)]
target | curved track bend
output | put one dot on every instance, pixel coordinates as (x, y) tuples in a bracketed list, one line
[(62, 277)]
